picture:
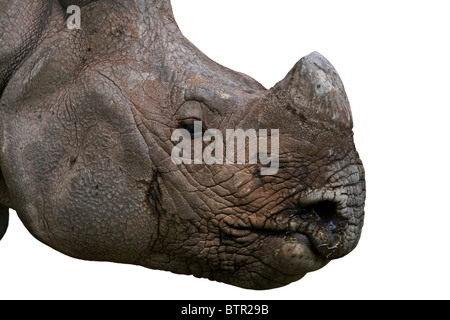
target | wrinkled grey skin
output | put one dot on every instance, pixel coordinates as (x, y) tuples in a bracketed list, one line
[(86, 121)]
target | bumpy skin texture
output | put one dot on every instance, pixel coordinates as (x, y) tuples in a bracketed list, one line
[(86, 120)]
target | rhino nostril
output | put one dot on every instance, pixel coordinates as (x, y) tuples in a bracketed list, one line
[(324, 225), (324, 212)]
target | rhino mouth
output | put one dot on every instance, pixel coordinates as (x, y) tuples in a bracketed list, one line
[(322, 226)]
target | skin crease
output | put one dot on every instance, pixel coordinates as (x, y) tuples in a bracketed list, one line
[(87, 117)]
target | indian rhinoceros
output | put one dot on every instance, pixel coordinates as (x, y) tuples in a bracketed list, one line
[(87, 118)]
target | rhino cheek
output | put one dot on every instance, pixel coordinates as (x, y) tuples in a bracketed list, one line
[(82, 173)]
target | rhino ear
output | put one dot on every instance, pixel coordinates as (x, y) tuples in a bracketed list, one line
[(80, 3)]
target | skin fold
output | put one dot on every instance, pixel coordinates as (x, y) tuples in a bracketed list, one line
[(86, 124)]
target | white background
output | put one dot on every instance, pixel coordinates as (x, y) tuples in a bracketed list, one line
[(393, 57)]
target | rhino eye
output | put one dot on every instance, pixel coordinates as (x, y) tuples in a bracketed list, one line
[(189, 125)]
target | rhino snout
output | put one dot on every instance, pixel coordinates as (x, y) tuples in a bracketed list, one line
[(328, 222), (332, 225)]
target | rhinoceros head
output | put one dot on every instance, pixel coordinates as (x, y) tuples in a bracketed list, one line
[(89, 157)]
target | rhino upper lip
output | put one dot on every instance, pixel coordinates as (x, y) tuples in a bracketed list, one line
[(322, 223)]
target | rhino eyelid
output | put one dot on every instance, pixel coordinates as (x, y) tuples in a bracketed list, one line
[(188, 124)]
